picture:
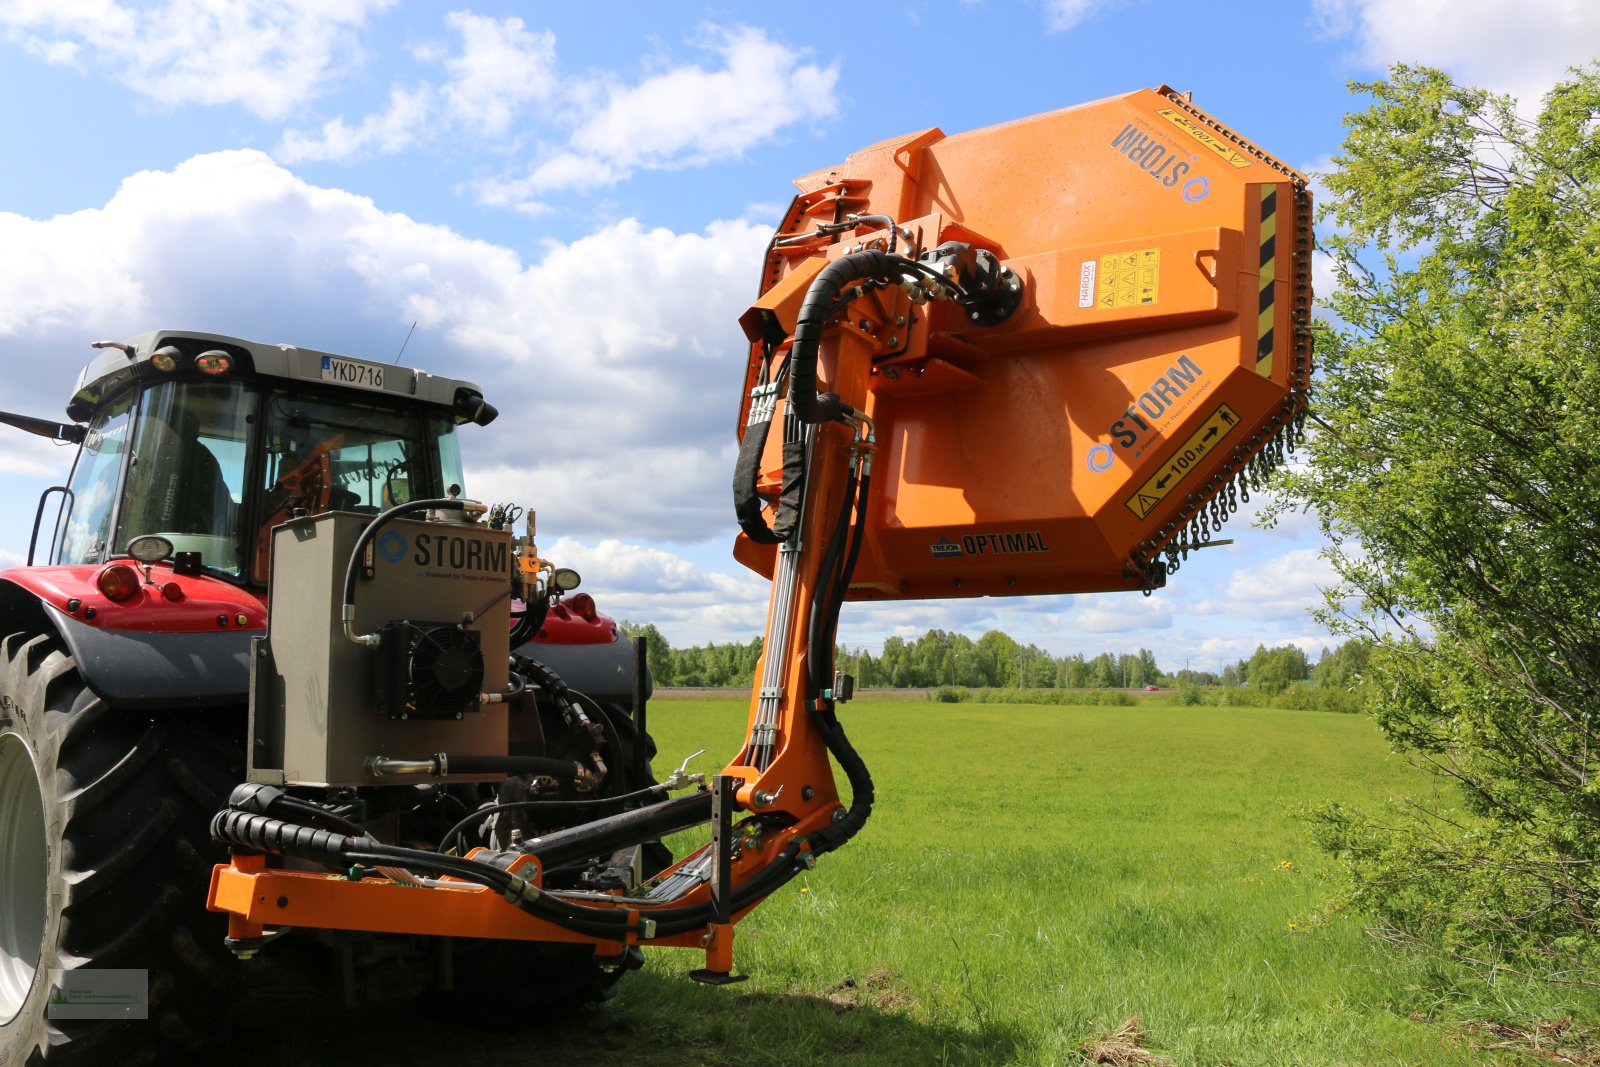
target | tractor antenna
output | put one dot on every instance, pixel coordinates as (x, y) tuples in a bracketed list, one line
[(407, 341)]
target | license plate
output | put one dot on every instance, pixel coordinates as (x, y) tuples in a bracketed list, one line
[(352, 372)]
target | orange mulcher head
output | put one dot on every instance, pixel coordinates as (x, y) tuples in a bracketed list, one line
[(1153, 367)]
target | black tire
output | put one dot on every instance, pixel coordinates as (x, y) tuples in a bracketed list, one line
[(104, 818)]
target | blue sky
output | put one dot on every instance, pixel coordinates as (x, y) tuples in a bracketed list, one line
[(570, 202)]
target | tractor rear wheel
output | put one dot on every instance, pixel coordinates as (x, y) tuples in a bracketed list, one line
[(104, 862)]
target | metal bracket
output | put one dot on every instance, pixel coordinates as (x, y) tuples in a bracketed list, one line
[(719, 939)]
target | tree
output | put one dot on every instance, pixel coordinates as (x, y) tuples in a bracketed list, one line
[(1345, 667), (1456, 470), (658, 652), (1272, 670)]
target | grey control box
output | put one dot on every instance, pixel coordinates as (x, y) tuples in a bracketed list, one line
[(321, 705)]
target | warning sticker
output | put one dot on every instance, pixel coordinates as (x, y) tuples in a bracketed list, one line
[(1205, 137), (1129, 279), (1183, 462)]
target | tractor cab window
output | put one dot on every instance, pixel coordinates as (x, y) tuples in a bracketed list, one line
[(86, 526), (336, 457), (186, 481)]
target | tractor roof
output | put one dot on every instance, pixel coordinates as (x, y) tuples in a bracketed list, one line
[(120, 363)]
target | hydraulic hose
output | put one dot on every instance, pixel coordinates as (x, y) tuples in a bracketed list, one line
[(543, 805), (821, 297), (257, 798), (340, 851), (560, 847), (367, 534), (834, 579), (824, 716), (564, 771)]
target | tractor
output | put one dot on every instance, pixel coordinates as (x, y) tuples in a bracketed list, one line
[(126, 647)]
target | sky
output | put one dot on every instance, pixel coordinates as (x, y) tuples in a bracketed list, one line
[(571, 203)]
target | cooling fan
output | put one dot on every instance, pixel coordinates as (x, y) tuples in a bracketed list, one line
[(430, 670)]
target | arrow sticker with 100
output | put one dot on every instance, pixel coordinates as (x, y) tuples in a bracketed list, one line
[(1183, 462)]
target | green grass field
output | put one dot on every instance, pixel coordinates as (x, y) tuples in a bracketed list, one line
[(1031, 878)]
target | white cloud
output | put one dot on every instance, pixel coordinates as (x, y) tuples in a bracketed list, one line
[(598, 131), (1124, 613), (268, 57), (691, 604), (1062, 15), (617, 415), (31, 456), (685, 116), (399, 127), (689, 114), (1521, 48), (500, 70), (1282, 588)]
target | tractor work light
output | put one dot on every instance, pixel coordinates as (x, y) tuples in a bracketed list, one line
[(165, 359), (213, 362), (119, 583)]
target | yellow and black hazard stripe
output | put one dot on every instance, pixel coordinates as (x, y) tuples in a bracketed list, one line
[(1266, 312)]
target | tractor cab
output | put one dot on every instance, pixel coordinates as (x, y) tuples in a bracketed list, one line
[(210, 442)]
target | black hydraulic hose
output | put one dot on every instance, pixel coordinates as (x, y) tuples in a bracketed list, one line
[(560, 847), (266, 834), (377, 523), (823, 711), (527, 626), (828, 583), (809, 325), (774, 876), (542, 805), (834, 579), (258, 798), (341, 851), (856, 538), (561, 770), (842, 586), (606, 922)]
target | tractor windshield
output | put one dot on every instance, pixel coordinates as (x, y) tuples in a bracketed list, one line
[(322, 456), (213, 466), (187, 477)]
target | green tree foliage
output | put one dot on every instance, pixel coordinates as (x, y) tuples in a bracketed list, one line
[(939, 658), (1457, 473), (1345, 667), (1273, 670)]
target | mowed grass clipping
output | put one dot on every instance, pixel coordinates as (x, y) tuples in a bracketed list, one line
[(1032, 877)]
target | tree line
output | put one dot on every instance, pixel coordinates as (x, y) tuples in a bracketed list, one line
[(998, 661)]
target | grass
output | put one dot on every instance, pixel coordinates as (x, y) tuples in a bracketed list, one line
[(1032, 879)]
